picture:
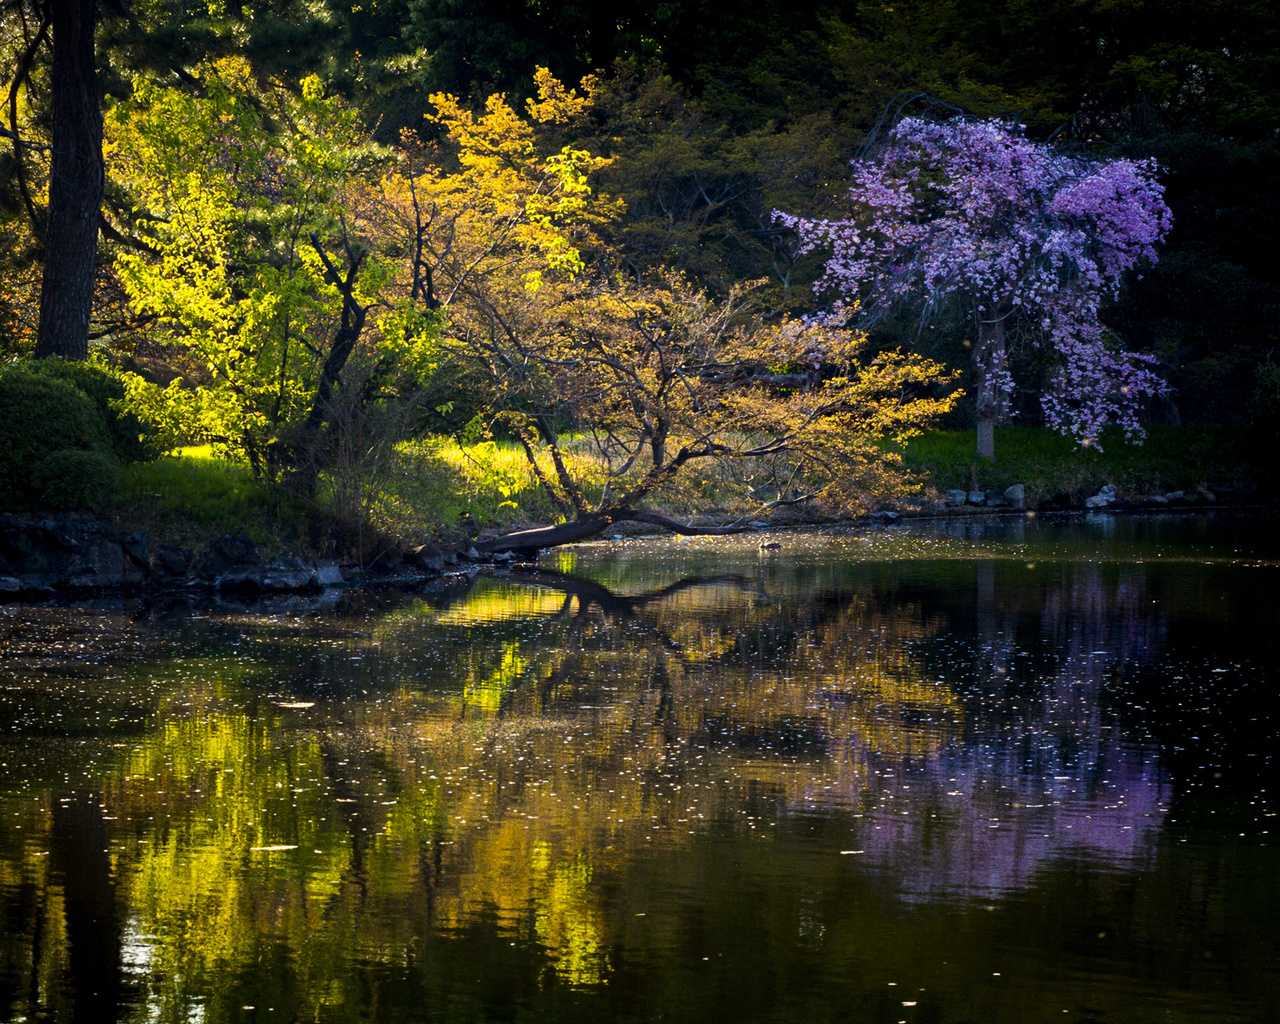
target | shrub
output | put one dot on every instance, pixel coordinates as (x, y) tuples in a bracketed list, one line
[(131, 440), (76, 479), (40, 415)]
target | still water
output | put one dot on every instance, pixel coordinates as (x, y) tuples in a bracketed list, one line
[(1006, 770)]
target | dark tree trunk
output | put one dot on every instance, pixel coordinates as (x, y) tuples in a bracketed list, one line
[(75, 185), (990, 366)]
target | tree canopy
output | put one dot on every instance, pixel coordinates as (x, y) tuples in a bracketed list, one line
[(1027, 238)]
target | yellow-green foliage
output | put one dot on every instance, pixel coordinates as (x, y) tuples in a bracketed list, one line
[(230, 183), (192, 494), (442, 485)]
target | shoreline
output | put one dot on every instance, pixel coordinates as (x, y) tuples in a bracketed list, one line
[(76, 557)]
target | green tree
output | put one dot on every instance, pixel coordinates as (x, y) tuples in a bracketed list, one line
[(243, 192)]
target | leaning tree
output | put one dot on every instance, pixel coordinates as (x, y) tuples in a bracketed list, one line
[(1029, 239)]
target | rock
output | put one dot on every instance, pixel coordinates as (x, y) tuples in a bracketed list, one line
[(328, 575), (287, 575), (1099, 500), (769, 545), (1208, 496), (1016, 495), (885, 516), (1159, 499), (133, 575), (450, 558), (426, 556), (37, 588), (243, 578), (231, 553), (390, 557), (10, 586), (1174, 496), (63, 550), (956, 498), (759, 525), (472, 554), (136, 546), (976, 498), (167, 561), (994, 498)]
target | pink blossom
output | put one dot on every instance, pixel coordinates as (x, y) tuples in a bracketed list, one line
[(1019, 231)]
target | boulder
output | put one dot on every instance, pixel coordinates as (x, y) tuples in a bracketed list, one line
[(231, 553), (1016, 495), (387, 556), (955, 498), (994, 498), (136, 546), (1106, 495), (976, 497), (67, 550), (287, 575), (168, 561), (244, 579), (427, 556), (328, 575)]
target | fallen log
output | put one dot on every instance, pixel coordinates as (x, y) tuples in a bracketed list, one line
[(586, 527)]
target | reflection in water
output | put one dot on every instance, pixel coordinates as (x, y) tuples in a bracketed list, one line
[(873, 777)]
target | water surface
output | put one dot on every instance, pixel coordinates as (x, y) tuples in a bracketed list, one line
[(1005, 770)]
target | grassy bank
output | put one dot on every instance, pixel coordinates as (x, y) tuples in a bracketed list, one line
[(1051, 466), (438, 488), (190, 495)]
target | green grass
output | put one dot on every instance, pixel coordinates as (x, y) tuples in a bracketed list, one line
[(443, 489), (1050, 465), (190, 496)]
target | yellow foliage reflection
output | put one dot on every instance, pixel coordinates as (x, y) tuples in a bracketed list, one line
[(562, 731)]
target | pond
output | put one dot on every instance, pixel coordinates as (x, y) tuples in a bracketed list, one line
[(984, 770)]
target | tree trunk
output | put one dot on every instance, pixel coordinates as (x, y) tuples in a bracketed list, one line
[(592, 526), (986, 436), (75, 185), (990, 369)]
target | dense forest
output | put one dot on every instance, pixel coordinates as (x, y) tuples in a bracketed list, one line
[(320, 238)]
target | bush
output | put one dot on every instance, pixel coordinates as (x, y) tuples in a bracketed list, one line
[(76, 479), (131, 440), (40, 415)]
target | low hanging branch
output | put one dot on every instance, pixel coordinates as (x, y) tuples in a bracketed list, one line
[(686, 383)]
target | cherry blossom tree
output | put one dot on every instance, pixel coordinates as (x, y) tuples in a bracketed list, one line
[(1029, 238)]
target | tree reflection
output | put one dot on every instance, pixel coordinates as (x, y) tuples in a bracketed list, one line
[(466, 797)]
